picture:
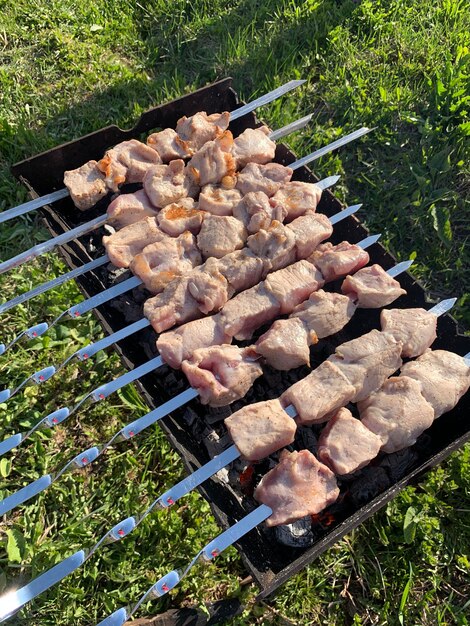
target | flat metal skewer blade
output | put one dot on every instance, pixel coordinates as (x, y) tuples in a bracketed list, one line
[(399, 268), (350, 210), (290, 128), (31, 205), (266, 99), (328, 182), (369, 241), (442, 307), (466, 358)]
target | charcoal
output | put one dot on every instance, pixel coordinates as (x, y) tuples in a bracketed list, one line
[(296, 535), (213, 414), (131, 311), (305, 439), (372, 482), (399, 463)]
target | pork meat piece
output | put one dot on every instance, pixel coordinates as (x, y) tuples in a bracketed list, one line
[(213, 162), (165, 184), (340, 260), (209, 288), (297, 198), (293, 284), (217, 200), (309, 230), (220, 235), (444, 377), (367, 361), (317, 396), (267, 178), (325, 312), (298, 486), (275, 246), (286, 344), (159, 263), (346, 445), (256, 212), (126, 243), (127, 162), (247, 311), (372, 288), (253, 146), (180, 216), (260, 429), (201, 128), (222, 374), (415, 328), (242, 269), (128, 208), (86, 185), (180, 344), (169, 145), (397, 413)]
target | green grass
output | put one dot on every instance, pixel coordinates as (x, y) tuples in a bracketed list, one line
[(67, 68)]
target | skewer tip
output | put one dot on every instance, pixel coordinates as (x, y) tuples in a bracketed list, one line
[(118, 618), (4, 395), (400, 268), (2, 348), (442, 307), (369, 241)]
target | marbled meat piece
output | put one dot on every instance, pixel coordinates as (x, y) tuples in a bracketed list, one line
[(213, 162), (309, 230), (242, 269), (325, 312), (201, 128), (444, 377), (219, 235), (260, 429), (297, 198), (249, 310), (346, 445), (372, 288), (180, 216), (398, 413), (415, 328), (337, 261), (217, 200), (209, 288), (256, 212), (317, 396), (267, 178), (253, 146), (165, 184), (169, 145), (293, 284), (128, 208), (368, 361), (123, 245), (127, 162), (222, 374), (286, 344), (180, 344), (86, 185), (161, 262), (298, 486), (275, 245)]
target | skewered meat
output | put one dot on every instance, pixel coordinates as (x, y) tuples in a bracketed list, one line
[(217, 200), (325, 312), (209, 288), (275, 245), (372, 287), (310, 231), (159, 263), (253, 146), (180, 216), (220, 235), (128, 208), (201, 128), (127, 162), (222, 374), (249, 310), (299, 485), (267, 178), (415, 328), (260, 429), (444, 377), (128, 242), (240, 268), (214, 161), (256, 212), (340, 260), (169, 145), (297, 198), (286, 344), (319, 394), (293, 284), (398, 413), (346, 445), (86, 185), (165, 184)]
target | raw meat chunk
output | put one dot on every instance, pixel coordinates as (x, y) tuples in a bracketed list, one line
[(180, 216), (267, 178), (125, 244), (372, 287), (325, 312), (209, 289), (241, 268), (286, 344), (129, 208), (217, 200), (201, 128), (293, 284), (255, 211), (86, 185), (247, 311), (169, 145), (165, 184), (415, 328), (213, 162), (309, 230), (297, 198), (220, 235), (127, 162), (253, 146), (275, 246), (336, 261)]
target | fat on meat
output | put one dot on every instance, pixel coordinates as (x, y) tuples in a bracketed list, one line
[(325, 312), (249, 310), (415, 328), (298, 486), (209, 288), (219, 235), (346, 445), (217, 200), (127, 162), (213, 162), (267, 178), (201, 128), (336, 261), (260, 429), (180, 216), (165, 184), (297, 198), (372, 288), (253, 146), (86, 185), (444, 377), (222, 374), (293, 284), (123, 245), (309, 230), (397, 413), (242, 269), (256, 212), (169, 145), (128, 208), (286, 344), (275, 246), (161, 262)]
